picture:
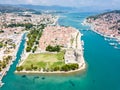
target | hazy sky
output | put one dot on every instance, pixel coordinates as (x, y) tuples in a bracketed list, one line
[(74, 3)]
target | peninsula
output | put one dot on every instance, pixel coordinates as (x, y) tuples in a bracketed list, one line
[(106, 24), (59, 50)]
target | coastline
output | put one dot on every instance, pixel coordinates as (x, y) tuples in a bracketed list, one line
[(54, 72), (100, 73), (4, 71), (81, 62), (93, 29)]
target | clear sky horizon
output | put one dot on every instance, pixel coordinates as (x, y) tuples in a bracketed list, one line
[(70, 3)]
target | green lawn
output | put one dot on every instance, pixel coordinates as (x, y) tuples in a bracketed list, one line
[(44, 60)]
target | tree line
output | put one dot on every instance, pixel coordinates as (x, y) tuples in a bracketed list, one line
[(66, 67), (53, 48), (26, 25), (33, 38)]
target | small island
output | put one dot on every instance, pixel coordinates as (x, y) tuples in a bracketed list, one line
[(57, 49), (106, 24)]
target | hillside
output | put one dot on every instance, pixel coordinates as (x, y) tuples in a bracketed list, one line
[(106, 23), (12, 8), (39, 7), (106, 13)]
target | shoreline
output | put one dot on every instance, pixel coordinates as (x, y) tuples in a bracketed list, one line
[(82, 64), (94, 30), (4, 71), (54, 72)]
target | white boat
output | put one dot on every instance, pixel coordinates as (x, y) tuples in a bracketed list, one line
[(82, 24), (105, 38), (112, 44), (82, 42), (1, 84), (116, 47)]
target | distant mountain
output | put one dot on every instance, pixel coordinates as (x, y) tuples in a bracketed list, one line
[(29, 7), (114, 12), (39, 7), (12, 8), (93, 9)]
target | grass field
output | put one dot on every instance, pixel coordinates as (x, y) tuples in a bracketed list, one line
[(44, 60)]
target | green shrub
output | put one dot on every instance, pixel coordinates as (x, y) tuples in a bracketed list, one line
[(28, 49), (53, 48), (20, 68), (56, 68), (35, 67), (28, 68), (68, 67)]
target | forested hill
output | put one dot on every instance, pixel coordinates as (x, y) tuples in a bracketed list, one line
[(104, 14), (106, 23), (12, 8)]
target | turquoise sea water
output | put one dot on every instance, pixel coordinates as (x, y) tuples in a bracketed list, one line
[(103, 65)]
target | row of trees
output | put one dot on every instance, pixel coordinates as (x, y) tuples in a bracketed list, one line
[(66, 67), (26, 25), (53, 48), (32, 67), (33, 38)]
